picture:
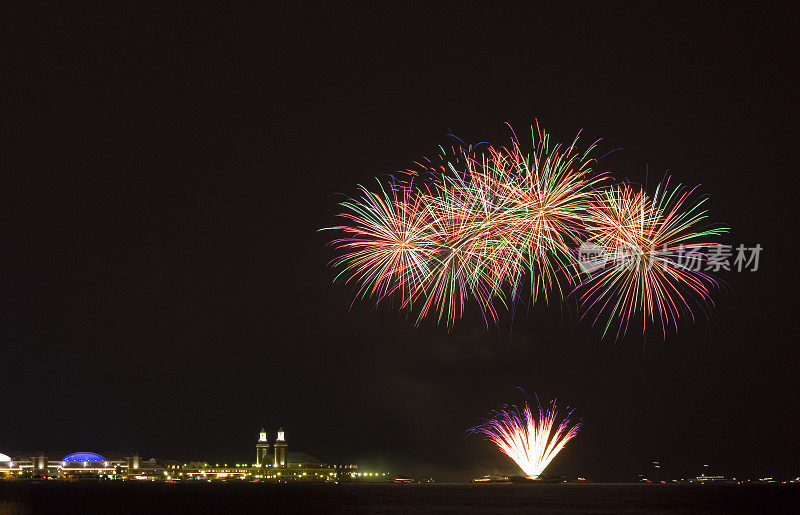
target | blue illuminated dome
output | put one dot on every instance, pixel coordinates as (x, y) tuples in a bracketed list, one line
[(83, 456)]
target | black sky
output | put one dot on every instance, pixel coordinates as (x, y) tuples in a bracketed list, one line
[(164, 288)]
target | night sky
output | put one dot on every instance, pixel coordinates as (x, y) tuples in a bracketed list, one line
[(164, 288)]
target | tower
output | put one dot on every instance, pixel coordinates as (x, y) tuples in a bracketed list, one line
[(262, 448), (280, 449)]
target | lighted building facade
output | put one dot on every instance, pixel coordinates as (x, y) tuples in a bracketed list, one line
[(282, 465), (78, 465)]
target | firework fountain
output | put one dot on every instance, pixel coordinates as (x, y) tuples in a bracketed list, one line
[(531, 441)]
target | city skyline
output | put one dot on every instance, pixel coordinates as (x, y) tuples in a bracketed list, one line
[(281, 466)]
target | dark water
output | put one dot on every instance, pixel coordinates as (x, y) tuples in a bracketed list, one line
[(18, 497)]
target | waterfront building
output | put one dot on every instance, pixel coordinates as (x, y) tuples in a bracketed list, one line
[(78, 465), (278, 466)]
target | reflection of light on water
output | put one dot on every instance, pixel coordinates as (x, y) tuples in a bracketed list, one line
[(12, 507)]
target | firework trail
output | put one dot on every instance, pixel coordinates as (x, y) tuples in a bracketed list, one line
[(655, 248), (531, 441)]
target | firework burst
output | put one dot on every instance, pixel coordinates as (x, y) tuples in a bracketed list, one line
[(484, 221), (654, 248), (547, 193), (531, 441), (389, 243), (487, 225)]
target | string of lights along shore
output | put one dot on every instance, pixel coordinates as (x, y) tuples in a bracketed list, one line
[(273, 464), (493, 226)]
